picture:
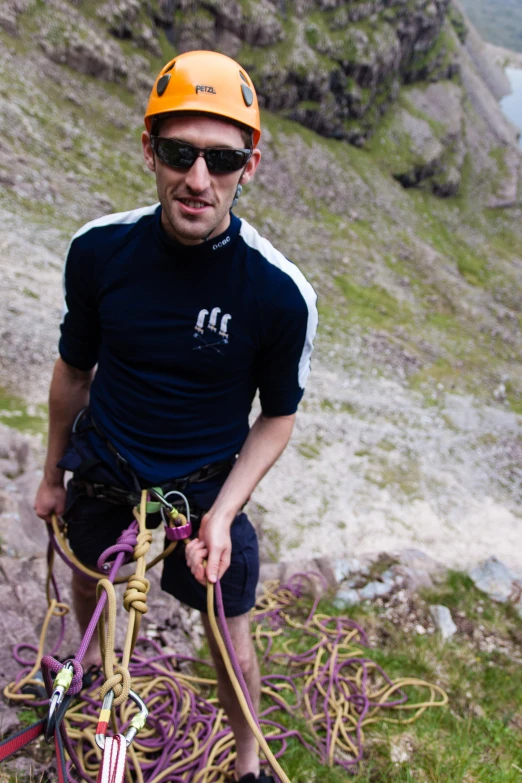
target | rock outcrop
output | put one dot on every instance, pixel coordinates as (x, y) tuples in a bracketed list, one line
[(335, 66)]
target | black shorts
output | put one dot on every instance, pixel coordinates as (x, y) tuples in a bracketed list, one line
[(94, 524)]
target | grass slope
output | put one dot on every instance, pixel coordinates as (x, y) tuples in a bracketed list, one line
[(498, 21)]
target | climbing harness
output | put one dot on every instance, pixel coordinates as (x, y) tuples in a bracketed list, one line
[(120, 496), (318, 669)]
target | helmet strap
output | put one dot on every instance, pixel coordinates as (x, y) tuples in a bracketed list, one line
[(239, 190)]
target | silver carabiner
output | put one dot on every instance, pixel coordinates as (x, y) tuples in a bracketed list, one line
[(62, 683), (160, 498), (136, 724)]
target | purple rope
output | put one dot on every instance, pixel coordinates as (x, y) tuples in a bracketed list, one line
[(233, 658), (172, 733)]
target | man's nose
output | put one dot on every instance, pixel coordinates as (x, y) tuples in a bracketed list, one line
[(198, 177)]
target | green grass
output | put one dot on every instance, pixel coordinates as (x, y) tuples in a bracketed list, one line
[(15, 413), (370, 305), (476, 737), (309, 450), (28, 715), (499, 22)]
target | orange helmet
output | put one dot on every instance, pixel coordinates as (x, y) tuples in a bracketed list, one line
[(206, 82)]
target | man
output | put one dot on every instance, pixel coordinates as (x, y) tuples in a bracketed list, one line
[(186, 311)]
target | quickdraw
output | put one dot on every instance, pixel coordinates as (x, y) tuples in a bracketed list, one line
[(137, 723)]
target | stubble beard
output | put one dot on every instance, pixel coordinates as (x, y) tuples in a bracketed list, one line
[(184, 228)]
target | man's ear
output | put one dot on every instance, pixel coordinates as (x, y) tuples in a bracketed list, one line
[(148, 152), (251, 167)]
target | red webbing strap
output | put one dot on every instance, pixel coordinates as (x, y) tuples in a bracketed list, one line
[(112, 768), (18, 741), (61, 767)]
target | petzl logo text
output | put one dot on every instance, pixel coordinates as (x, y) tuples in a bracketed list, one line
[(205, 88)]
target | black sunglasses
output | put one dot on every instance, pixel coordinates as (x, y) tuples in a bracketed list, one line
[(180, 155)]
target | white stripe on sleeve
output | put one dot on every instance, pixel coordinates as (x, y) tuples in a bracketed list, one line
[(107, 220), (268, 251)]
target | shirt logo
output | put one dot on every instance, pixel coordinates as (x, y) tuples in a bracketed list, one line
[(223, 242), (208, 333)]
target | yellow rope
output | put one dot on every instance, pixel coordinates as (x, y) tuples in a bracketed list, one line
[(13, 690), (237, 687), (62, 541), (325, 650)]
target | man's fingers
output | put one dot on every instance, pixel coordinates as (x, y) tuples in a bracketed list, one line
[(213, 566), (196, 552), (225, 562), (217, 565)]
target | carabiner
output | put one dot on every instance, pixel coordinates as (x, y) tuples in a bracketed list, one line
[(153, 491), (62, 683), (136, 724)]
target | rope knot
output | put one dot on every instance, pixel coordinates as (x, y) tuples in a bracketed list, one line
[(135, 596), (143, 542), (120, 683)]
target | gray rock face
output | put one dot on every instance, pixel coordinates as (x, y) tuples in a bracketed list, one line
[(334, 66), (8, 719), (347, 60), (443, 621), (21, 532), (9, 13), (86, 53)]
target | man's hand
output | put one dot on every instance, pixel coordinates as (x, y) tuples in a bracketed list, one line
[(50, 499), (214, 545)]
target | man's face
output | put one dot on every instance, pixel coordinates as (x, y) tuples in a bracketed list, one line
[(195, 202)]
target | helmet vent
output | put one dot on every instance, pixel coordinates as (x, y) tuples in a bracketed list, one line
[(248, 95), (169, 66), (243, 76), (162, 84)]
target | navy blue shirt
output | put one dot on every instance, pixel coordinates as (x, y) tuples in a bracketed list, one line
[(183, 337)]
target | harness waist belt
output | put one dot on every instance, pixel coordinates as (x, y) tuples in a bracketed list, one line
[(127, 497)]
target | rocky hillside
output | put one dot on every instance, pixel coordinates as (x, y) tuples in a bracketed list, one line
[(389, 174)]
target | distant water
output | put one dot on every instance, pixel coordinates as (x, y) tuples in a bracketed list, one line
[(512, 104)]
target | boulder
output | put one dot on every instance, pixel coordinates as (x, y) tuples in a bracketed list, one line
[(413, 579), (346, 597), (346, 567), (443, 621), (499, 582), (377, 588)]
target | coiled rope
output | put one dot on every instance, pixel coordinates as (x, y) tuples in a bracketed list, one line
[(316, 669)]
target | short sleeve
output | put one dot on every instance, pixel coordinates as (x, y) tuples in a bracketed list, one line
[(285, 359), (80, 331)]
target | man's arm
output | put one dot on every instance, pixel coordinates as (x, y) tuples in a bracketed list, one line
[(266, 441), (69, 393)]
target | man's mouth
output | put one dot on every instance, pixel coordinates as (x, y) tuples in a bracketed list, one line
[(193, 205)]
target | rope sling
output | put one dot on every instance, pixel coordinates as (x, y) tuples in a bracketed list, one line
[(184, 736)]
